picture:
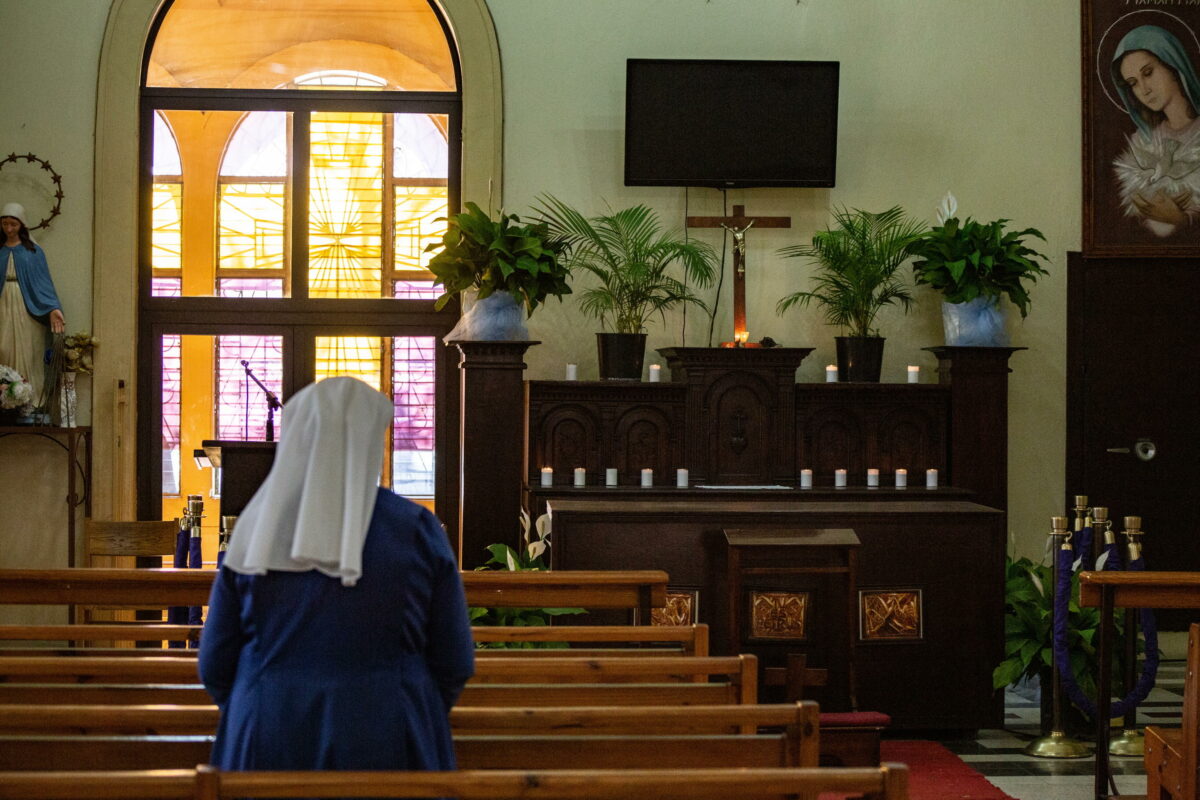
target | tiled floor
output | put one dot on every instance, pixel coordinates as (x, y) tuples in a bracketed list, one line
[(998, 754)]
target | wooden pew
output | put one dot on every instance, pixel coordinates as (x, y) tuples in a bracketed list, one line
[(162, 720), (887, 782), (602, 738), (1172, 755), (689, 640), (514, 681), (632, 589)]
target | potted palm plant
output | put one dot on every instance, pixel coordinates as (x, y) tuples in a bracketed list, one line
[(504, 264), (858, 264), (632, 256), (973, 265)]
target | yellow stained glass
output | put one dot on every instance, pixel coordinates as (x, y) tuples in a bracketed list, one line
[(166, 237), (354, 356), (420, 220), (345, 222), (251, 234)]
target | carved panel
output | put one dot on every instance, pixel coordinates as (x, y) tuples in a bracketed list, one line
[(643, 437), (911, 438), (566, 439), (890, 615), (682, 608), (832, 440), (779, 615), (741, 423)]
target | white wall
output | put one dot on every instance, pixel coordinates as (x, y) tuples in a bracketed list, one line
[(981, 98)]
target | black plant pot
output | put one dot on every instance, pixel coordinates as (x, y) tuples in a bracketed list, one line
[(621, 355), (859, 358)]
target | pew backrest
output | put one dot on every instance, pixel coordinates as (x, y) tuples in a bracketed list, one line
[(887, 782)]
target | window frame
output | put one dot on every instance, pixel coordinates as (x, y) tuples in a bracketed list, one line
[(298, 318)]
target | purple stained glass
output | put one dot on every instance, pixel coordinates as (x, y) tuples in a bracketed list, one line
[(250, 287), (171, 375), (241, 404), (166, 287), (417, 290), (413, 397)]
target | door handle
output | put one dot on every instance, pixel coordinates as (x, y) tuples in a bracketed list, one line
[(1144, 449)]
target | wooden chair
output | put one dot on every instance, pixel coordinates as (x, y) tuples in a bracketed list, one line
[(1172, 755), (110, 543)]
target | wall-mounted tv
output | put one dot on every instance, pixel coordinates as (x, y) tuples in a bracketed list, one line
[(730, 123)]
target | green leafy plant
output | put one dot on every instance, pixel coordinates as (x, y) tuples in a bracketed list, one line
[(501, 254), (631, 255), (858, 267), (966, 260), (1028, 634), (530, 558)]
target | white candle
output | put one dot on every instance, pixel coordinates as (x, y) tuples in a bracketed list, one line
[(901, 478), (610, 476), (572, 372), (831, 374), (547, 476), (839, 478), (647, 477), (655, 373), (873, 477), (914, 374), (931, 479), (580, 476), (806, 479), (681, 478)]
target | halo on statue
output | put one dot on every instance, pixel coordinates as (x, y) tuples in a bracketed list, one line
[(34, 183)]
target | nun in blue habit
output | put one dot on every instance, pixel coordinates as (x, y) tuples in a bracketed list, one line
[(337, 635)]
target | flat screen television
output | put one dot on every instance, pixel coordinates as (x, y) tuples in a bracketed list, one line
[(730, 123)]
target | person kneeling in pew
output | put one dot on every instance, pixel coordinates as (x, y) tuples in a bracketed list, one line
[(337, 635)]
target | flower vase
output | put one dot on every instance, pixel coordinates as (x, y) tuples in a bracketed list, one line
[(499, 317), (975, 323), (68, 401)]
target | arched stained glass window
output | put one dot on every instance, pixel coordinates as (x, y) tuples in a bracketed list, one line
[(289, 226)]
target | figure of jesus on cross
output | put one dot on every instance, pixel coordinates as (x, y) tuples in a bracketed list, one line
[(737, 225)]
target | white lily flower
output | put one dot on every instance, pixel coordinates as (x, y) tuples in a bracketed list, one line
[(947, 208)]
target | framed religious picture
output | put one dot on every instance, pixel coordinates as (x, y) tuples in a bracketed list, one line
[(1141, 128)]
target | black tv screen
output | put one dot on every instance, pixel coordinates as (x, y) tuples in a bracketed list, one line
[(730, 123)]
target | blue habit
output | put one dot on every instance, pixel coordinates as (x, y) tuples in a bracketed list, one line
[(310, 674)]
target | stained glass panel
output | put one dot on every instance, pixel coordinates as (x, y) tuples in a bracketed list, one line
[(414, 397), (171, 379), (420, 221), (166, 236), (251, 234), (345, 222), (241, 411)]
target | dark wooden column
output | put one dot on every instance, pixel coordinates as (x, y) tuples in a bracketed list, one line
[(741, 407), (978, 381), (491, 446)]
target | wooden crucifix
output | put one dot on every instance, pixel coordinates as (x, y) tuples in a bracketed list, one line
[(737, 225)]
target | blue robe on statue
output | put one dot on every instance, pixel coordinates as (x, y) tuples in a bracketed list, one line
[(33, 276), (311, 674)]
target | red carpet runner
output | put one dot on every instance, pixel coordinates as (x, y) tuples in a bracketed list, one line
[(934, 773)]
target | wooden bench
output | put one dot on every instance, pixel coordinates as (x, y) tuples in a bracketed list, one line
[(602, 738), (158, 720), (689, 640), (887, 782), (1126, 589), (563, 681), (633, 589), (1172, 755)]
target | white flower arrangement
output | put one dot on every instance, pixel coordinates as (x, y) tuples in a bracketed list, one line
[(15, 391)]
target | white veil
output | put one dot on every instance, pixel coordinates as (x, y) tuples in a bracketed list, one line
[(313, 510)]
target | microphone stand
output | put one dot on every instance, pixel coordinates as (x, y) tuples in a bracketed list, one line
[(272, 401)]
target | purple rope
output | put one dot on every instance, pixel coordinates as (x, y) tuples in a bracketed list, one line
[(1083, 546), (1062, 654)]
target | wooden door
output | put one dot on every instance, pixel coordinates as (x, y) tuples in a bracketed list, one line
[(1133, 373)]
